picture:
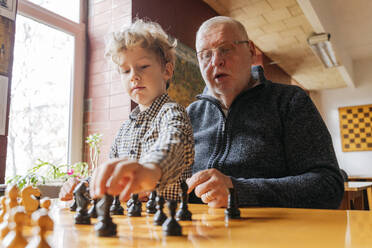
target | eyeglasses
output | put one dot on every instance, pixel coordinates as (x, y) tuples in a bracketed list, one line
[(223, 50)]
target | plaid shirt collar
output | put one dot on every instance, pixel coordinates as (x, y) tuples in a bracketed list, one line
[(151, 111)]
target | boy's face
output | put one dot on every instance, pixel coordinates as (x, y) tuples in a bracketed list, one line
[(143, 75)]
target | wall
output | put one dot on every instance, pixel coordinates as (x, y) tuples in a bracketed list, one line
[(328, 101)]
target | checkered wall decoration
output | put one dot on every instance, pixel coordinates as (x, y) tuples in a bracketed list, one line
[(356, 128)]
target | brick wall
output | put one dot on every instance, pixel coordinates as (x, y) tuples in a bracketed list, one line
[(107, 105)]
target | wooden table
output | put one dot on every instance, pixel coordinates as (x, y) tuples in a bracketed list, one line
[(360, 178), (353, 188), (265, 227)]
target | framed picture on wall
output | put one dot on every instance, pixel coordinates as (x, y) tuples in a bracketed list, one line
[(8, 8)]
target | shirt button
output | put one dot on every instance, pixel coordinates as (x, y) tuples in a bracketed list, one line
[(132, 152)]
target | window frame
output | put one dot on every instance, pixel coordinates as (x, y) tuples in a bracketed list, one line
[(78, 31)]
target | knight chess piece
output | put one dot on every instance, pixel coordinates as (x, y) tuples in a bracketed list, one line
[(159, 216), (116, 208), (184, 213), (73, 205), (135, 208), (232, 211), (82, 201), (171, 227), (105, 227), (151, 203)]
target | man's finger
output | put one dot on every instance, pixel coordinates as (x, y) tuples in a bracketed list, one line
[(197, 179), (206, 186), (209, 196)]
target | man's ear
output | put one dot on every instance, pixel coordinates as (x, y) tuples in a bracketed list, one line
[(168, 71), (252, 49)]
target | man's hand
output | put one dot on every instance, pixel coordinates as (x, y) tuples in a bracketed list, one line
[(66, 193), (123, 177), (211, 186)]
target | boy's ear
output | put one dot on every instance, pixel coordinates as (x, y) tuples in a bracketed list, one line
[(168, 71)]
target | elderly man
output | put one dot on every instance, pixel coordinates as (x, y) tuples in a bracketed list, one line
[(266, 140)]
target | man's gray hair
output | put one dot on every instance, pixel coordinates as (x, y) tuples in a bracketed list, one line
[(221, 20)]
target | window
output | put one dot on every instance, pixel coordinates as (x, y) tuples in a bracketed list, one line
[(46, 109)]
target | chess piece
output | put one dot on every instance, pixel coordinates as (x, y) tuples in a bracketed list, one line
[(73, 205), (151, 203), (105, 227), (3, 208), (183, 213), (12, 195), (159, 216), (130, 201), (232, 211), (93, 209), (43, 224), (15, 237), (135, 208), (82, 201), (116, 208), (171, 227), (29, 200), (45, 203)]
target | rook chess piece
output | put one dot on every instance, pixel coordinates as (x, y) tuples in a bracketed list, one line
[(171, 227), (232, 211), (183, 213), (15, 237), (135, 208), (105, 227), (116, 208), (159, 216), (82, 201), (93, 209), (43, 224), (151, 203)]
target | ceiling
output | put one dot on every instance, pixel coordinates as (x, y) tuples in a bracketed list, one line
[(280, 29)]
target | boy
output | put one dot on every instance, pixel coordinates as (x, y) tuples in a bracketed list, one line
[(155, 147)]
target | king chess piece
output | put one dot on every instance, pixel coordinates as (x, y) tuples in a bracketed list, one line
[(151, 203), (183, 213), (159, 216), (105, 227), (116, 208), (82, 201), (232, 211), (92, 212), (171, 227), (135, 208)]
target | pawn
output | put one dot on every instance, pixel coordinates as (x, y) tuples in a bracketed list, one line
[(159, 216), (151, 204), (171, 227), (105, 227), (232, 211), (43, 224), (15, 237), (183, 213), (82, 201), (116, 208), (3, 208), (130, 201), (135, 208), (45, 203), (92, 212)]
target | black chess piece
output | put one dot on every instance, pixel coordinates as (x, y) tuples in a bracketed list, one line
[(73, 205), (82, 201), (171, 227), (183, 212), (135, 208), (105, 227), (130, 201), (232, 211), (116, 208), (151, 203), (93, 209), (159, 216)]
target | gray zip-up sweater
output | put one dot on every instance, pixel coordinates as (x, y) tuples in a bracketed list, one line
[(273, 144)]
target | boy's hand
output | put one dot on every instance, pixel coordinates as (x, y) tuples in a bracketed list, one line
[(122, 176), (66, 193)]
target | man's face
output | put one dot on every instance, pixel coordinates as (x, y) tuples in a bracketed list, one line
[(226, 68)]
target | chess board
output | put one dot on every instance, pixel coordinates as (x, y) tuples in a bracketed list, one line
[(259, 227), (356, 128)]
